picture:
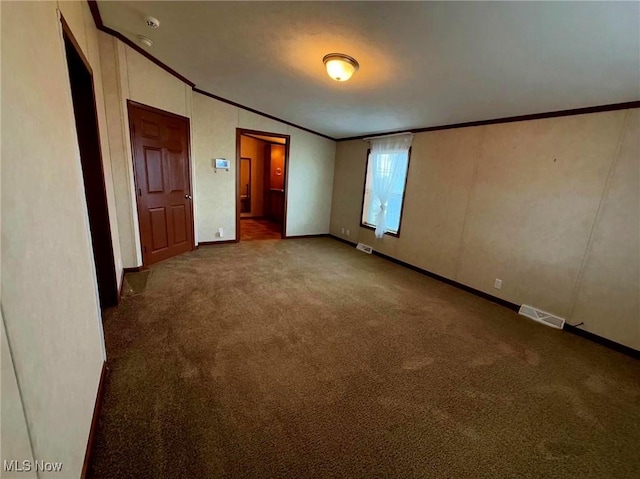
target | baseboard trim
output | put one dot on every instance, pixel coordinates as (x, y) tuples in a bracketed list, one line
[(464, 287), (342, 240), (571, 329), (94, 421), (621, 348), (319, 235), (211, 243), (137, 269)]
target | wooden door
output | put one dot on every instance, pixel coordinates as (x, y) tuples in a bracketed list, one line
[(160, 143), (267, 182), (245, 180), (274, 182)]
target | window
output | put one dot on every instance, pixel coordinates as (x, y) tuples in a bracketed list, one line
[(386, 177)]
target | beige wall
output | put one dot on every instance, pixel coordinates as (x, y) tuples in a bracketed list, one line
[(310, 179), (127, 75), (607, 298), (14, 437), (519, 202), (49, 292), (214, 136), (310, 170)]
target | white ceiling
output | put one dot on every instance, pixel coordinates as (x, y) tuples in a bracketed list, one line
[(421, 63)]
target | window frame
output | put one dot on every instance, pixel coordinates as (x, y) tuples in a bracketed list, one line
[(404, 196)]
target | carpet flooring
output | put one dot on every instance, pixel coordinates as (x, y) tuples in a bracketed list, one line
[(135, 283), (308, 359), (259, 229)]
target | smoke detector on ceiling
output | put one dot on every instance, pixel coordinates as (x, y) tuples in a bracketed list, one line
[(152, 22), (145, 40)]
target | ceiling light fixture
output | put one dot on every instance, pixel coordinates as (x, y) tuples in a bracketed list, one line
[(339, 66)]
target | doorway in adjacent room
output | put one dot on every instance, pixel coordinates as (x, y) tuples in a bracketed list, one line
[(262, 162)]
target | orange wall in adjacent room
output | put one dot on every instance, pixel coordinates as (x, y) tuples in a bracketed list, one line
[(254, 149), (277, 161)]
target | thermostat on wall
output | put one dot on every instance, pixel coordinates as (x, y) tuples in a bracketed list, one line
[(221, 164)]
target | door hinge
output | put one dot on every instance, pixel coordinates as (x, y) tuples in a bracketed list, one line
[(139, 191)]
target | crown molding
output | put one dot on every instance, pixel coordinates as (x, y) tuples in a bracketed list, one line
[(266, 115), (95, 12), (509, 119), (97, 19)]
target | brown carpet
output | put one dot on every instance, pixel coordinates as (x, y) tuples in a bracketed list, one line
[(259, 229), (308, 359)]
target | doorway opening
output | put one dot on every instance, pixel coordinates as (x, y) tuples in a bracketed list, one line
[(262, 161), (86, 119)]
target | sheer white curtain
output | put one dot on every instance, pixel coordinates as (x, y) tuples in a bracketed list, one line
[(387, 152)]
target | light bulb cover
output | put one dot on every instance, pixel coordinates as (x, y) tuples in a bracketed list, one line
[(340, 67)]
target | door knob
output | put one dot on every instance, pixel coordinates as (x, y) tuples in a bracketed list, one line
[(187, 197)]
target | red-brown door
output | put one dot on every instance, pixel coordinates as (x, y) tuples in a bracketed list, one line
[(160, 142)]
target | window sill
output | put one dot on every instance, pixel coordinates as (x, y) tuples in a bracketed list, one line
[(373, 228)]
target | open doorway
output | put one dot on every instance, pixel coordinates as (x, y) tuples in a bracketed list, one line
[(262, 165), (84, 109)]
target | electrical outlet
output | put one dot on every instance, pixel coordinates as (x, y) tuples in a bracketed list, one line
[(498, 284), (342, 230), (220, 232), (348, 232)]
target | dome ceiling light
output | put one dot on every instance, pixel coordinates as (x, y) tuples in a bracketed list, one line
[(339, 66)]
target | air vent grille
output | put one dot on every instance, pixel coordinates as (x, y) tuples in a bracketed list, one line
[(366, 248), (541, 316)]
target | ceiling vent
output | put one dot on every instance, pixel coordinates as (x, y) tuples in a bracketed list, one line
[(541, 316)]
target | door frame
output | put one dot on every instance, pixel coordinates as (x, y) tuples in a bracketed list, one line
[(287, 144), (134, 104), (104, 247)]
